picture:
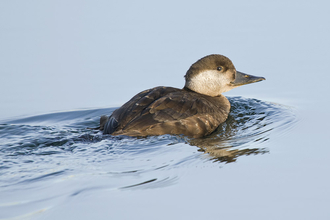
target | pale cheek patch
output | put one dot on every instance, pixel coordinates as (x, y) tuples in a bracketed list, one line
[(209, 82)]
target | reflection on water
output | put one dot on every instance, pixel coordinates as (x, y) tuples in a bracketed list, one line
[(249, 123), (54, 156), (46, 138)]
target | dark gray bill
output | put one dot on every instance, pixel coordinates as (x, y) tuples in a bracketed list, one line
[(243, 78)]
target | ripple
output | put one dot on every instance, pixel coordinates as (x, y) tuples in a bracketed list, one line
[(62, 141), (47, 159), (251, 122), (152, 183)]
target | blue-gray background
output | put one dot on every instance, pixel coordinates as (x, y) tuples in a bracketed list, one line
[(68, 55), (62, 55)]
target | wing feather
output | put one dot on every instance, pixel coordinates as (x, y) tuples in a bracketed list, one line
[(166, 110)]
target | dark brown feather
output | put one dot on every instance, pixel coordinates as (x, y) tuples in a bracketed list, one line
[(167, 110)]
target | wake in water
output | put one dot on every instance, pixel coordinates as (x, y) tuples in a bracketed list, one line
[(249, 124), (62, 142), (46, 159)]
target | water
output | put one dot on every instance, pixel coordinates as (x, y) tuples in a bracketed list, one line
[(56, 156), (270, 160)]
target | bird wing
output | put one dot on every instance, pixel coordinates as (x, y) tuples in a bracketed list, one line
[(166, 110)]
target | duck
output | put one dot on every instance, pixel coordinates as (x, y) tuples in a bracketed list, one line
[(194, 111)]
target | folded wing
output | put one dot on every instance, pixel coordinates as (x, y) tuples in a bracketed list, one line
[(166, 110)]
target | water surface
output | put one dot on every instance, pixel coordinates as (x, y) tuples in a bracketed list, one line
[(57, 155)]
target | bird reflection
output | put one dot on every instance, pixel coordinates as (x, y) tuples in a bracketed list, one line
[(249, 123)]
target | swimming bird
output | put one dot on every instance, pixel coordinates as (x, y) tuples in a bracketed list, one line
[(194, 111)]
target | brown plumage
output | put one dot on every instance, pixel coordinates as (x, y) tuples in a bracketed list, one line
[(188, 111)]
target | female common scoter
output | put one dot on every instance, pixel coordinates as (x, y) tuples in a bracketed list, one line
[(195, 111)]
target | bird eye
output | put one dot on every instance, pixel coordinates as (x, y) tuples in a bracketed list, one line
[(219, 68)]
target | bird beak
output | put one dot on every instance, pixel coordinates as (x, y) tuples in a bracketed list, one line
[(243, 78)]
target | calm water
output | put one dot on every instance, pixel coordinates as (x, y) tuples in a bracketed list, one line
[(270, 160), (55, 157)]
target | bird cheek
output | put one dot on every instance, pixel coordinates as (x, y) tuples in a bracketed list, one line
[(232, 77)]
